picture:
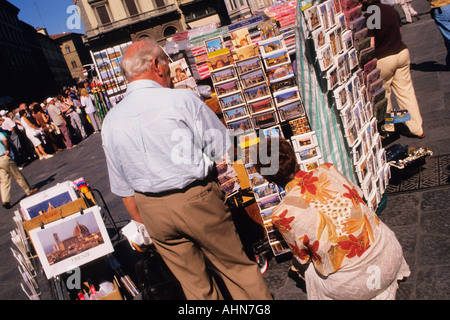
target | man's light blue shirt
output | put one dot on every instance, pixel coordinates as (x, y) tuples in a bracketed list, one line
[(158, 139)]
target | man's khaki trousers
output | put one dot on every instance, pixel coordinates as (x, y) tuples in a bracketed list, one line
[(9, 168), (397, 78), (186, 227)]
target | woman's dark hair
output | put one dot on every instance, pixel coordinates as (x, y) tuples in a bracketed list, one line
[(287, 167)]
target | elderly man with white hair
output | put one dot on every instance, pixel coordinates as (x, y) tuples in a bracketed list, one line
[(160, 145)]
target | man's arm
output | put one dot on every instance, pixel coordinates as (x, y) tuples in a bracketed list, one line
[(5, 143), (133, 210)]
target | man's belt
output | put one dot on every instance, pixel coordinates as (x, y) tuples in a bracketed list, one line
[(193, 184)]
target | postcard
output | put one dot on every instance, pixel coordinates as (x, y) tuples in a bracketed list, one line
[(256, 92), (265, 190), (300, 126), (283, 84), (353, 13), (253, 78), (220, 61), (71, 242), (256, 180), (269, 201), (361, 169), (271, 45), (240, 38), (266, 119), (276, 58), (311, 164), (325, 56), (262, 105), (366, 55), (226, 88), (235, 113), (353, 59), (346, 115), (273, 132), (284, 97), (340, 97), (247, 52), (231, 100), (268, 29), (312, 17), (324, 16), (308, 153), (299, 142), (179, 71), (214, 44), (240, 125), (351, 134), (331, 14), (357, 151), (334, 40), (46, 200), (319, 38), (358, 24), (247, 65), (223, 75), (332, 78), (280, 72), (291, 110), (342, 22)]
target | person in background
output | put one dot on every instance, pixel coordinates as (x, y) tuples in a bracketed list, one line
[(393, 60), (9, 168), (67, 108), (33, 134), (87, 101), (9, 126), (59, 120), (440, 12), (180, 201), (43, 121), (347, 251), (408, 10)]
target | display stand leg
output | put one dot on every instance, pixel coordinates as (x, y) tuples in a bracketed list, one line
[(104, 205)]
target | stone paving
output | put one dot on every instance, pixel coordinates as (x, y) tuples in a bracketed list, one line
[(418, 218)]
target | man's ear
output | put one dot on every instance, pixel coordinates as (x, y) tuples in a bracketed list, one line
[(156, 65)]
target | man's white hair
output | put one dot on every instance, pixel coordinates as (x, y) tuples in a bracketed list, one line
[(139, 61)]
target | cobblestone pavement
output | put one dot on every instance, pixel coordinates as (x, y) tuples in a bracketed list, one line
[(418, 218)]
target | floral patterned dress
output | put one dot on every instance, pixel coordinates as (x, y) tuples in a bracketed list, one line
[(353, 255)]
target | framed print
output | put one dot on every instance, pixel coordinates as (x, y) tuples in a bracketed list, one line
[(323, 16), (214, 44), (311, 164), (319, 38), (262, 105), (325, 56), (223, 75), (71, 242), (304, 140), (256, 92), (284, 84), (235, 113), (291, 110), (332, 78), (307, 154), (265, 190), (253, 78), (247, 52), (276, 58), (240, 38), (312, 17), (271, 45), (46, 200), (241, 125), (226, 88), (280, 72), (269, 201), (286, 96), (266, 119), (247, 65), (273, 132), (231, 101), (219, 61)]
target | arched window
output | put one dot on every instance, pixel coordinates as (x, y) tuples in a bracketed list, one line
[(170, 31)]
